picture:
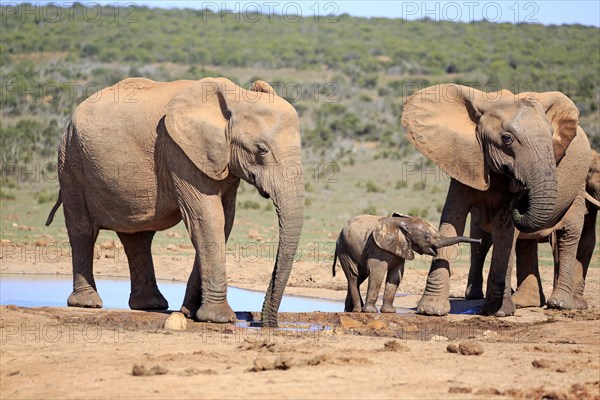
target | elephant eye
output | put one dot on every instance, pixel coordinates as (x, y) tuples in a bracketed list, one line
[(262, 149), (507, 139)]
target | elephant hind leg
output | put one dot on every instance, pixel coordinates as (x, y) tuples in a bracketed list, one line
[(82, 237), (144, 290), (585, 250), (474, 288), (353, 298), (562, 296)]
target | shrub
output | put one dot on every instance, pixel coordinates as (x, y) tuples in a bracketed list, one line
[(419, 186), (45, 196), (249, 205), (7, 195), (372, 187)]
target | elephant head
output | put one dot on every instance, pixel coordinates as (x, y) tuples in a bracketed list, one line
[(254, 135), (402, 234), (470, 134)]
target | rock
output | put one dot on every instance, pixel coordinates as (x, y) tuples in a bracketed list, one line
[(349, 323), (470, 348), (176, 322), (109, 245), (452, 348), (171, 247), (490, 336), (376, 324), (261, 364), (254, 234), (458, 389), (282, 363), (392, 345), (438, 338), (140, 370), (410, 328), (541, 363)]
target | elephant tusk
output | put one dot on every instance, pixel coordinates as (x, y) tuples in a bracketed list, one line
[(592, 200)]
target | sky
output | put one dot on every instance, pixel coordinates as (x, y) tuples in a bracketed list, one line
[(557, 12), (585, 12)]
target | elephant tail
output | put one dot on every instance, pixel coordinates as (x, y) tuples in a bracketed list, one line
[(334, 261), (54, 209)]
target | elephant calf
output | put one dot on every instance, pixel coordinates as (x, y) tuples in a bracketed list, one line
[(372, 246)]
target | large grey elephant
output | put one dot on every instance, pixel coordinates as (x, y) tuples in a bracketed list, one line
[(141, 155), (375, 247), (529, 284), (502, 150)]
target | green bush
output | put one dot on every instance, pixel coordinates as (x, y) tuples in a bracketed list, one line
[(372, 187), (419, 186), (249, 205), (46, 196), (7, 195)]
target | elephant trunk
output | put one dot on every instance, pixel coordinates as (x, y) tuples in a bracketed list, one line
[(533, 210), (289, 203), (449, 241)]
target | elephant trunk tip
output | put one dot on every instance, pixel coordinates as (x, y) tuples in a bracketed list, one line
[(449, 241)]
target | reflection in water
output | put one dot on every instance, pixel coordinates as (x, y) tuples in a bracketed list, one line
[(53, 290)]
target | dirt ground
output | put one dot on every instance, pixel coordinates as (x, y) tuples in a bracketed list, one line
[(83, 353)]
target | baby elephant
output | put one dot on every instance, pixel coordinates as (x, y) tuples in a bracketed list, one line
[(373, 246)]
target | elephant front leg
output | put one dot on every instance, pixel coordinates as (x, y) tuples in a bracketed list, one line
[(436, 298), (392, 281), (529, 284), (377, 270), (144, 290), (209, 270), (567, 238), (498, 300)]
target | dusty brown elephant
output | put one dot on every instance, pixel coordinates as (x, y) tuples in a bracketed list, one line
[(502, 151), (530, 292), (375, 247), (140, 156)]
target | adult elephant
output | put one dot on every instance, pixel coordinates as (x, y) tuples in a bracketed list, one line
[(141, 155), (529, 287), (501, 151)]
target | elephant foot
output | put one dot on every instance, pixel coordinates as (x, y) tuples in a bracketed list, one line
[(433, 305), (369, 308), (561, 300), (527, 298), (580, 303), (474, 291), (87, 298), (216, 312), (387, 308), (150, 299), (500, 307)]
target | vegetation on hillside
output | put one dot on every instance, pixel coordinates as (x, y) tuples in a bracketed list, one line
[(347, 79)]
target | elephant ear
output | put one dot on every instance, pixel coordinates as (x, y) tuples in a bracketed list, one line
[(564, 117), (197, 119), (442, 124), (389, 237)]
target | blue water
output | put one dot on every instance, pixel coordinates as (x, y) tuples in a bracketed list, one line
[(53, 291)]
